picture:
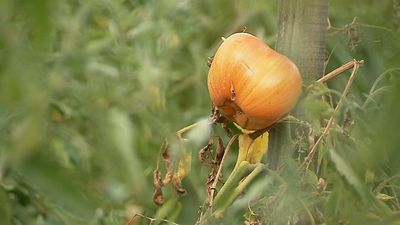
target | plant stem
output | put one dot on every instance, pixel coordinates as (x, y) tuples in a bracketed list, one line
[(228, 191), (302, 26), (247, 167)]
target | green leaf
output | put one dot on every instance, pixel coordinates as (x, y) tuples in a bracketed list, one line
[(60, 186), (347, 172)]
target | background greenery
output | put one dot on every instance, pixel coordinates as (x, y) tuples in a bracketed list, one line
[(90, 89)]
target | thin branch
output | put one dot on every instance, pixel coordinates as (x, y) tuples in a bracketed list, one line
[(355, 65), (375, 27), (180, 132), (337, 72), (148, 218), (214, 185)]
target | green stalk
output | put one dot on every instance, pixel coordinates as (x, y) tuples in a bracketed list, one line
[(228, 191), (247, 167), (234, 189)]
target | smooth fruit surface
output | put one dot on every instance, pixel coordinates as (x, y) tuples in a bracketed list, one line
[(251, 84)]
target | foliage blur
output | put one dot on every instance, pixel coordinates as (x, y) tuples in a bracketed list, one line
[(90, 89)]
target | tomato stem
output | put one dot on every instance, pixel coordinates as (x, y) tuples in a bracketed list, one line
[(247, 167)]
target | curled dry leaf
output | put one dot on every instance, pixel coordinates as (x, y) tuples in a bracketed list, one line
[(216, 116), (175, 174), (177, 183), (183, 169), (158, 197), (220, 152), (205, 152), (168, 177), (165, 157), (158, 182), (214, 170), (167, 163)]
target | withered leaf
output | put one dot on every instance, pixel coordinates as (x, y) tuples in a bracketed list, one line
[(220, 151), (177, 183), (165, 157), (158, 197), (168, 177), (157, 180), (206, 150)]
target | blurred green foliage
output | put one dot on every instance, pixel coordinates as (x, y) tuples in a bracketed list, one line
[(90, 89)]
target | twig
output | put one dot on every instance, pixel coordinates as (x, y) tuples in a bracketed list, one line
[(337, 72), (355, 65), (180, 132), (214, 184), (148, 218)]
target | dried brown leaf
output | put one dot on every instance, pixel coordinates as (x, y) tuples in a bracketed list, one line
[(205, 152), (165, 157), (158, 197), (177, 183), (168, 177), (220, 151)]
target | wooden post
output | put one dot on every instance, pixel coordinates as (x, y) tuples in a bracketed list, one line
[(302, 26)]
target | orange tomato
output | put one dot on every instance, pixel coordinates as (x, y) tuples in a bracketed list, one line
[(251, 84)]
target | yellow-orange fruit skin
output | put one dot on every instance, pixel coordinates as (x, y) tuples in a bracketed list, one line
[(251, 84)]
